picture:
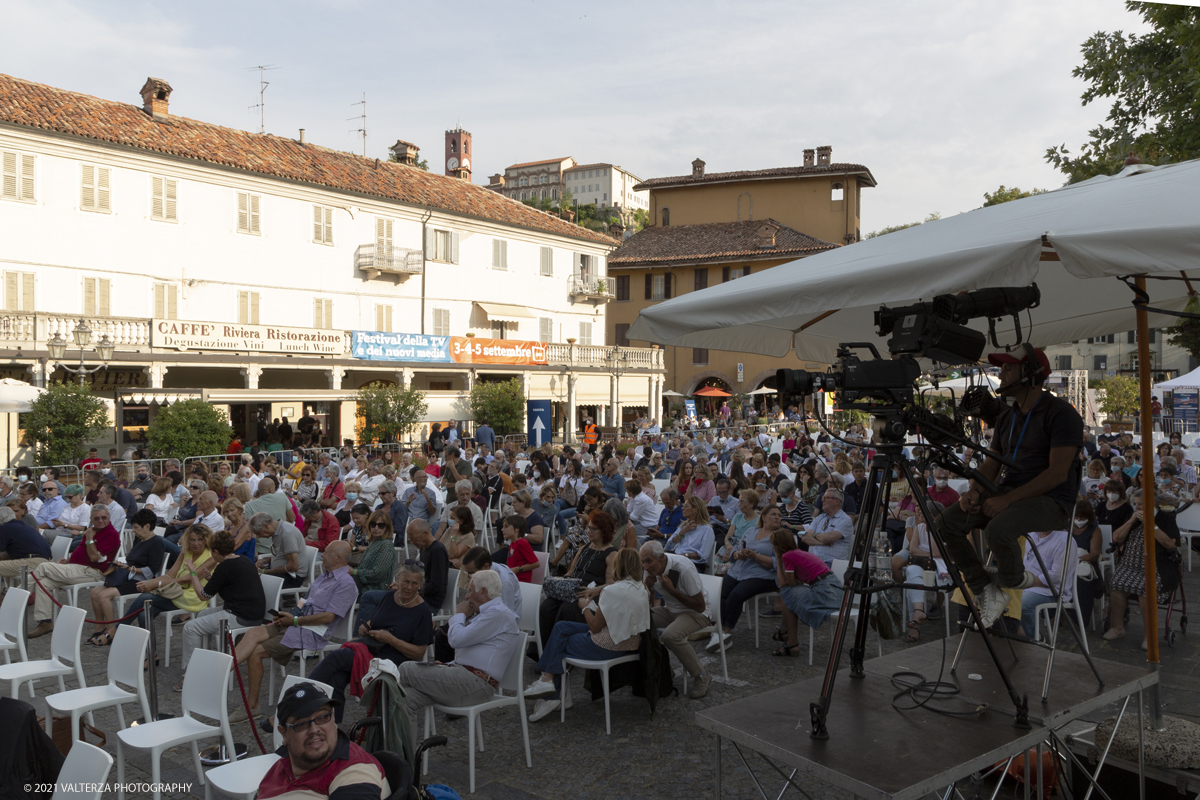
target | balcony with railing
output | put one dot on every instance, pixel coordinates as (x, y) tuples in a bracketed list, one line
[(375, 259), (595, 290), (587, 355)]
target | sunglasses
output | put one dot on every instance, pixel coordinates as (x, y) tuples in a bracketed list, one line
[(414, 562), (301, 727), (378, 524)]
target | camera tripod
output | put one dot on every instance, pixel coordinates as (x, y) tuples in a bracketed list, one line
[(889, 454)]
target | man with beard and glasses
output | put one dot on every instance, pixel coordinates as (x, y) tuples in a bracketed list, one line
[(317, 759)]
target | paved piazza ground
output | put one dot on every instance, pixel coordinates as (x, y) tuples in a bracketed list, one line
[(666, 756)]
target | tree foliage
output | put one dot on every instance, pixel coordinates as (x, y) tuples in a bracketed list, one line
[(501, 403), (189, 428), (388, 411), (1119, 396), (934, 217), (1152, 80), (62, 419), (1187, 333), (1006, 195)]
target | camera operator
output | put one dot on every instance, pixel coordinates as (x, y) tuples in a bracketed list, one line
[(1041, 435)]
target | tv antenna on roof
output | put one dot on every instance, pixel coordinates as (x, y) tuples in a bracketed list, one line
[(262, 88), (362, 121)]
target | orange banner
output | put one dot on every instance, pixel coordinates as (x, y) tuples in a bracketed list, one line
[(466, 350)]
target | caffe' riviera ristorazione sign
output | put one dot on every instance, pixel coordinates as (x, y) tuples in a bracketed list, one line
[(230, 337)]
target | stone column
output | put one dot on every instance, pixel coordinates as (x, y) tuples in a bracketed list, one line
[(405, 377), (572, 409), (40, 372), (614, 400), (155, 373), (526, 381), (335, 375), (251, 373), (652, 384)]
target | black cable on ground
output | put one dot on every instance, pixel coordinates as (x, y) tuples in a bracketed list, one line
[(914, 685)]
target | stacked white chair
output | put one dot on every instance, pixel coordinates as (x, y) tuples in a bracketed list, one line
[(64, 646), (125, 656)]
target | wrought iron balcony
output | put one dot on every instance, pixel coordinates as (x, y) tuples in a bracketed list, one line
[(375, 260)]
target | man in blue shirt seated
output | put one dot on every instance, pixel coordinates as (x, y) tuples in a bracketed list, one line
[(670, 518), (611, 481), (20, 546)]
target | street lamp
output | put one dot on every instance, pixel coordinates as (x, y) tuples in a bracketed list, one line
[(82, 335), (618, 362)]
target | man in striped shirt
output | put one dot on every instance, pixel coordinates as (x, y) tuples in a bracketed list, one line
[(317, 760)]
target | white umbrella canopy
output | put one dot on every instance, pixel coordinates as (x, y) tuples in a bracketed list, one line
[(15, 396), (1143, 220)]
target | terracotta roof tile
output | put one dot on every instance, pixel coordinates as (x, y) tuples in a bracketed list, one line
[(759, 174), (35, 105), (712, 242), (535, 163)]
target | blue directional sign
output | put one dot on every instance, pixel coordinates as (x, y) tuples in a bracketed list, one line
[(540, 422)]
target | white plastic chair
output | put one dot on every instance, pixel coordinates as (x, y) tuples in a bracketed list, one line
[(12, 624), (85, 764), (603, 666), (74, 589), (514, 682), (659, 485), (241, 778), (303, 588), (1189, 526), (168, 617), (59, 547), (447, 609), (125, 656), (64, 644), (712, 610), (343, 631), (757, 597), (1045, 609), (539, 574), (1107, 561), (205, 685), (531, 621)]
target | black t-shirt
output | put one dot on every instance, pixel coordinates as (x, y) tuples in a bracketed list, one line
[(437, 570), (412, 625), (236, 580), (20, 541), (1116, 518), (1026, 440)]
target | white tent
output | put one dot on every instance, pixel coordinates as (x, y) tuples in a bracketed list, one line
[(960, 385), (15, 396), (1189, 381), (1141, 221)]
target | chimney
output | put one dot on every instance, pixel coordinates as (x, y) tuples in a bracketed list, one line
[(766, 234), (302, 139), (617, 230), (405, 152), (824, 156), (155, 94), (697, 169), (808, 157), (496, 180)]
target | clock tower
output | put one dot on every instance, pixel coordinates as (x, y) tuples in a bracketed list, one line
[(458, 154)]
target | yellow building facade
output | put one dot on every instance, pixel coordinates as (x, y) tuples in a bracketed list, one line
[(709, 228)]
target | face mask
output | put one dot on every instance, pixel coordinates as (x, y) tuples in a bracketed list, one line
[(941, 484), (1079, 523), (45, 478), (1113, 497), (351, 495)]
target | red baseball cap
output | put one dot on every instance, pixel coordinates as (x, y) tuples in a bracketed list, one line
[(997, 359)]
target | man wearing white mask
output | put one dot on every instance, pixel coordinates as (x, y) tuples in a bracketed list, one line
[(941, 491)]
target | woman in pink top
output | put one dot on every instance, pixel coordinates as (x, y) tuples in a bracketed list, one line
[(702, 485), (810, 590)]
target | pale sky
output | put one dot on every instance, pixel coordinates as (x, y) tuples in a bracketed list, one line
[(942, 99)]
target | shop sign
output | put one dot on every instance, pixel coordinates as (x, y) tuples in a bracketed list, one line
[(181, 335), (105, 379), (381, 346), (496, 351)]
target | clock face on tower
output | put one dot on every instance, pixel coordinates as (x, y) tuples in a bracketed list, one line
[(466, 162), (452, 163)]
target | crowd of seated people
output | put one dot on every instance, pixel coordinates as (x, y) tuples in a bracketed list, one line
[(633, 529)]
